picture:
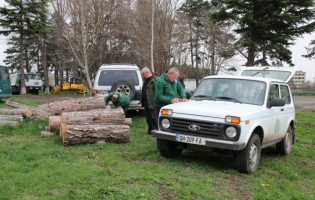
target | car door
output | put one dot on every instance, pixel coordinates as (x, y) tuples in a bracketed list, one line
[(275, 116), (5, 82), (288, 110)]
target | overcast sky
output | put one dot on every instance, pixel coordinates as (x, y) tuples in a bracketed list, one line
[(298, 50)]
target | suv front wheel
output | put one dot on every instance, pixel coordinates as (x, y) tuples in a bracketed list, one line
[(125, 87), (248, 158), (169, 149)]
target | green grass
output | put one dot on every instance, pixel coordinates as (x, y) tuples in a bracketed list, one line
[(42, 168)]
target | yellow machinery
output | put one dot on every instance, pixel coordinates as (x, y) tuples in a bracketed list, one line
[(75, 86)]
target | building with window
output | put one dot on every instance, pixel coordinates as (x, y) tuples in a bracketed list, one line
[(298, 79)]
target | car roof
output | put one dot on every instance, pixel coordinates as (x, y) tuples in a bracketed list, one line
[(119, 66), (266, 80)]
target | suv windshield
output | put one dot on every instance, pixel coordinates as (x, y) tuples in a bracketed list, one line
[(109, 77), (237, 90)]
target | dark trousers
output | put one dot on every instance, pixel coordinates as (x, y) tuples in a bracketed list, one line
[(150, 117), (157, 112), (125, 109)]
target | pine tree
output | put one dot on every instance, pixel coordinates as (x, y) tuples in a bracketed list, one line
[(268, 27)]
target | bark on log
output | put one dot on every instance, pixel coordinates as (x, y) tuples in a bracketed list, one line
[(43, 107), (21, 111), (102, 116), (85, 134), (56, 108), (46, 134), (128, 121), (53, 123), (14, 124), (11, 117), (37, 112)]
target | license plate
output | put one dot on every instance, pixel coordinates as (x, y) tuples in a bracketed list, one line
[(190, 139)]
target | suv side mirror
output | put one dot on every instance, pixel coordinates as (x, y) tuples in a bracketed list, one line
[(278, 102)]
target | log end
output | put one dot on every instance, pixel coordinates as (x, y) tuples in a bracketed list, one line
[(28, 113)]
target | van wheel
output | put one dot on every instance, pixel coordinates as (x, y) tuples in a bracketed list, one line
[(169, 149), (248, 158), (125, 87), (284, 147)]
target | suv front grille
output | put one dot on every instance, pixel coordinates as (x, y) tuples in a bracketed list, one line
[(205, 128)]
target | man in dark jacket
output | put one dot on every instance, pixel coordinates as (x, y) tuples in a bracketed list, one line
[(119, 100), (148, 98), (167, 87)]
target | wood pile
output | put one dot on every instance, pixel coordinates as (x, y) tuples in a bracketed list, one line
[(80, 121)]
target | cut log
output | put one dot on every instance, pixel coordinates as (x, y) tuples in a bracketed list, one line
[(14, 124), (46, 134), (21, 111), (85, 134), (37, 112), (100, 116), (53, 123), (43, 107), (128, 121), (56, 108), (11, 118)]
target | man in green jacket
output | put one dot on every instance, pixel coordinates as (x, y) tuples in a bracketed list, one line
[(119, 100), (148, 99), (167, 87)]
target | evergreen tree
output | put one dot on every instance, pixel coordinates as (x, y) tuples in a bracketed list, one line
[(267, 26)]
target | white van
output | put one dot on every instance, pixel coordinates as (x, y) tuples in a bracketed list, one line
[(123, 78)]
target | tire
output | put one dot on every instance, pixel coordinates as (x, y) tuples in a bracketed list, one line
[(284, 147), (168, 149), (125, 87), (36, 92), (248, 158)]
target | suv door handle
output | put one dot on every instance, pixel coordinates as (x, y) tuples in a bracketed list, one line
[(282, 109)]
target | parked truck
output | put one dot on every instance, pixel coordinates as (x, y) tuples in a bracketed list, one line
[(33, 82), (5, 89)]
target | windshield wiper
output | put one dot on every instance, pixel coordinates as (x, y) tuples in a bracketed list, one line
[(204, 96), (228, 98), (260, 71)]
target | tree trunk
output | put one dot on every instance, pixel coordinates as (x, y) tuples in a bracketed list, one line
[(85, 134), (56, 108), (53, 123), (102, 116), (21, 111), (11, 117), (46, 134), (251, 56), (39, 114), (14, 124), (43, 107)]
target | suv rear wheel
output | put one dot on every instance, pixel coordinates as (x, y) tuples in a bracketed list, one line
[(125, 87), (284, 147)]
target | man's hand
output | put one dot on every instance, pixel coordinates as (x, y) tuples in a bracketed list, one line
[(184, 100), (175, 100)]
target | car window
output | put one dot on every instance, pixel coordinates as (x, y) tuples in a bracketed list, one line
[(273, 92), (285, 94), (5, 74), (109, 77)]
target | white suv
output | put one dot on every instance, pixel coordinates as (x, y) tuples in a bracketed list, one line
[(240, 114), (123, 78)]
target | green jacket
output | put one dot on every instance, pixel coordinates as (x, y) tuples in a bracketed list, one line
[(150, 90), (165, 91), (123, 100)]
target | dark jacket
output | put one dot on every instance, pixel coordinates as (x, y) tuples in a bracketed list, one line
[(123, 100), (150, 90), (165, 91)]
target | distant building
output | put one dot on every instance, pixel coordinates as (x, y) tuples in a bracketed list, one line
[(299, 79)]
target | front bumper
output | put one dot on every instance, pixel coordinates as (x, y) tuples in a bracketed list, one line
[(222, 144)]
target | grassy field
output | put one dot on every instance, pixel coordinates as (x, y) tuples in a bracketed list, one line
[(42, 168)]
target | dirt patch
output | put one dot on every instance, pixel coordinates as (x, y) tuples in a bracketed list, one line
[(236, 184), (304, 103)]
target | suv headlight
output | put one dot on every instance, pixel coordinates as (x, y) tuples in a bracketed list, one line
[(165, 123), (231, 119), (231, 132)]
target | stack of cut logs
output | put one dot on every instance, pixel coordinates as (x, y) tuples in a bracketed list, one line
[(82, 121)]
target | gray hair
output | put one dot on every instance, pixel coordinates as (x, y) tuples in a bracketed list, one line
[(173, 70), (145, 69)]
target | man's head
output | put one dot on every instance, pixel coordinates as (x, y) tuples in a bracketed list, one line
[(114, 98), (146, 73), (172, 74)]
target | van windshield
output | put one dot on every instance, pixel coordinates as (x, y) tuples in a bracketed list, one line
[(109, 77)]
